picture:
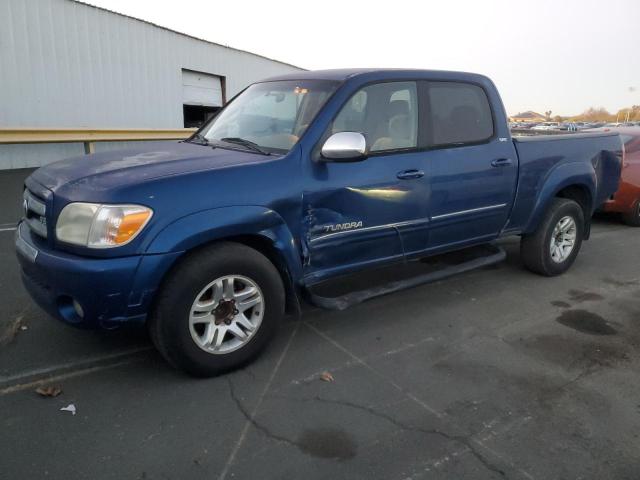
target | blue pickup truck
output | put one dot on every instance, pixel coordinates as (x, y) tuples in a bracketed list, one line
[(301, 180)]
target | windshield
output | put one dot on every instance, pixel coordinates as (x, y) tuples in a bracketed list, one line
[(271, 115)]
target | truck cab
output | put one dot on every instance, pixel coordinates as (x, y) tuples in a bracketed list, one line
[(299, 180)]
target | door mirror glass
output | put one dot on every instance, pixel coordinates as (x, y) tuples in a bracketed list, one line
[(345, 147)]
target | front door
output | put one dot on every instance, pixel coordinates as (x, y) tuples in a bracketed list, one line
[(376, 210)]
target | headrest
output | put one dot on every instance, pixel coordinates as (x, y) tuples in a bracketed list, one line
[(398, 107)]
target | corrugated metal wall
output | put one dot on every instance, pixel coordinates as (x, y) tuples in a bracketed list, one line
[(67, 64)]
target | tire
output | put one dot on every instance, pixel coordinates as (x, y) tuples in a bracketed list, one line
[(632, 218), (536, 250), (227, 276)]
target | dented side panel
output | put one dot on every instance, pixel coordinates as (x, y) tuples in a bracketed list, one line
[(361, 214)]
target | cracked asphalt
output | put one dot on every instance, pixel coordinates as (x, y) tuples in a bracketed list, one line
[(494, 374)]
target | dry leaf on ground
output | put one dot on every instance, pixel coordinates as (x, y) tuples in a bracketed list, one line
[(49, 391), (326, 377)]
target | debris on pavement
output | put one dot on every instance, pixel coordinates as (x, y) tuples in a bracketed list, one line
[(326, 377), (69, 408), (49, 391), (9, 333)]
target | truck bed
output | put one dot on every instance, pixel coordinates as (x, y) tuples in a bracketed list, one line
[(596, 155), (563, 136)]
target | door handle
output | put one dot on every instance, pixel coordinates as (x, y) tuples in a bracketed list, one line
[(409, 174), (502, 162)]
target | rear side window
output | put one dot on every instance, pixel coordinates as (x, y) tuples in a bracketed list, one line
[(459, 113)]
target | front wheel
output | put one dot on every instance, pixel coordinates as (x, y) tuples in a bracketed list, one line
[(632, 218), (553, 248), (217, 309)]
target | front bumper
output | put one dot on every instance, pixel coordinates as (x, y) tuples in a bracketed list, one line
[(109, 291)]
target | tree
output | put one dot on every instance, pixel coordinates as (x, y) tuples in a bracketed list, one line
[(548, 114), (623, 114), (629, 114), (593, 114)]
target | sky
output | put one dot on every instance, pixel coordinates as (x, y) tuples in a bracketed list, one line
[(562, 55)]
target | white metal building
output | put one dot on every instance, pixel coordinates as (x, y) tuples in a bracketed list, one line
[(66, 64)]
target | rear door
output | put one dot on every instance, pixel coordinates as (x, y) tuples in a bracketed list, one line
[(473, 171), (375, 210)]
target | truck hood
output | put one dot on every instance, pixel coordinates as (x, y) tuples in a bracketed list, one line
[(102, 171)]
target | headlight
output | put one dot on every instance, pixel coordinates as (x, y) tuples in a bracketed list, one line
[(101, 226)]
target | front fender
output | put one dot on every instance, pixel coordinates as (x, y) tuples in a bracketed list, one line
[(206, 226), (580, 174)]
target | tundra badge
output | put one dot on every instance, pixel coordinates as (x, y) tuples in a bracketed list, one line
[(339, 227)]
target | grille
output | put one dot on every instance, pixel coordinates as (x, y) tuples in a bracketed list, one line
[(35, 213)]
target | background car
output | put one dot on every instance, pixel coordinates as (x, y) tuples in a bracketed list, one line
[(626, 200), (547, 126)]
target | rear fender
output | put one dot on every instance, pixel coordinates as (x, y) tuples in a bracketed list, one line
[(579, 174)]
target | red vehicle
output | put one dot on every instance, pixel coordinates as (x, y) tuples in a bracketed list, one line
[(627, 199)]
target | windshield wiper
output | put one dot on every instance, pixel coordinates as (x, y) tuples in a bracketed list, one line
[(198, 139), (246, 143)]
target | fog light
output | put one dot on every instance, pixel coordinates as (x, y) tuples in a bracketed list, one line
[(78, 308)]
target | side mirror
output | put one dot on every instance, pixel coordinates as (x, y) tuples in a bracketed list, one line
[(345, 147)]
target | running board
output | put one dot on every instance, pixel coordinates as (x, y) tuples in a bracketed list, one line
[(488, 255)]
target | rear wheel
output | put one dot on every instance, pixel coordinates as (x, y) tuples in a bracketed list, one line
[(217, 309), (553, 248), (632, 218)]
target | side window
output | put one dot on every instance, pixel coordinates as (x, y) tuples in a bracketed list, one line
[(351, 117), (459, 113), (386, 113)]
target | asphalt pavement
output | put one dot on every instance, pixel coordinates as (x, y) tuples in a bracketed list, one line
[(497, 373), (11, 182)]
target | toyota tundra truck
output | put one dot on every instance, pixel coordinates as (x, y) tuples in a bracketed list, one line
[(297, 182)]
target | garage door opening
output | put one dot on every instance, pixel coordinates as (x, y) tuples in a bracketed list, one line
[(202, 97), (195, 115)]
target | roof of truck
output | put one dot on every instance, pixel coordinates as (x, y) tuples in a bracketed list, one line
[(342, 74)]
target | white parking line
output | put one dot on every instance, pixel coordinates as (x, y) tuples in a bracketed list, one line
[(13, 383), (64, 376), (10, 229), (249, 422)]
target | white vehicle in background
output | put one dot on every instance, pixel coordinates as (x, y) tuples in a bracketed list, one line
[(547, 126)]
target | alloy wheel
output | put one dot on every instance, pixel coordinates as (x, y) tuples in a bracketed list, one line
[(226, 314), (563, 239)]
